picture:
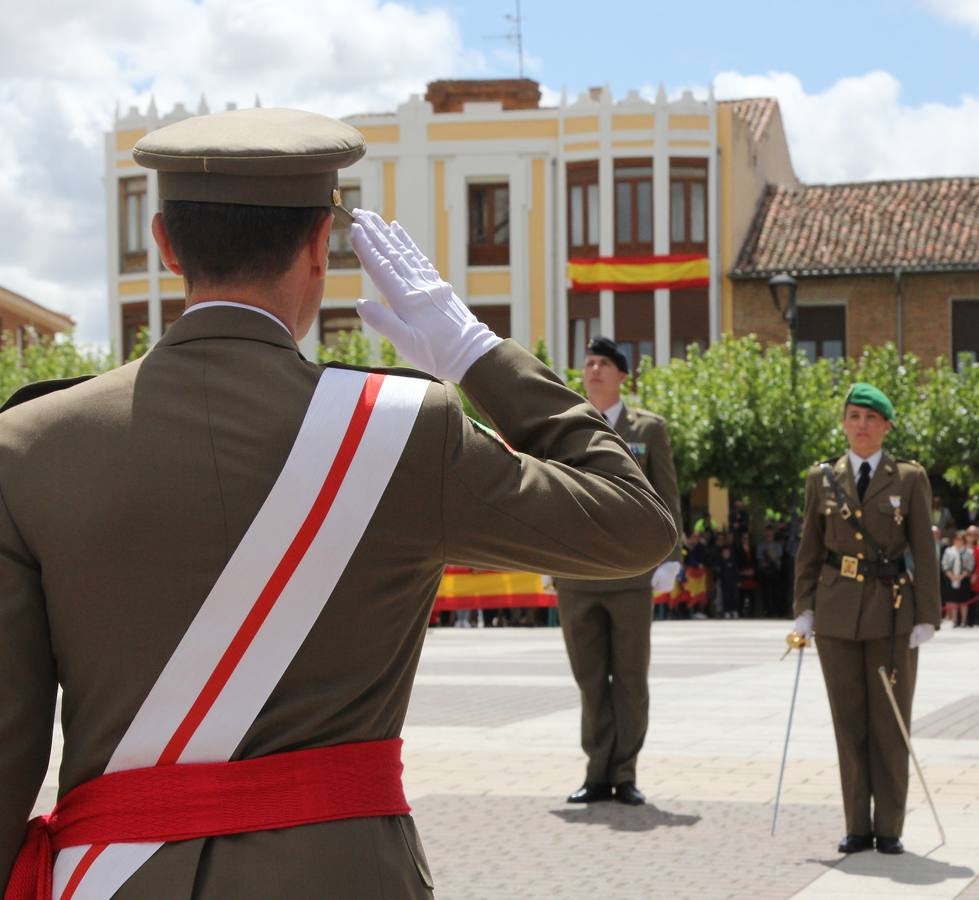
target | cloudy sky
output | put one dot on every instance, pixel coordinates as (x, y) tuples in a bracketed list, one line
[(868, 88)]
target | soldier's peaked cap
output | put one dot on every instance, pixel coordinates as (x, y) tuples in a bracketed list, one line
[(255, 157), (863, 394), (603, 346)]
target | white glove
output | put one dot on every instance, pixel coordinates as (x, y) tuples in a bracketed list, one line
[(920, 633), (427, 323), (803, 624), (665, 576)]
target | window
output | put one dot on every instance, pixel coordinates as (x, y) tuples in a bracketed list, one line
[(584, 323), (496, 317), (822, 332), (333, 321), (342, 254), (135, 317), (633, 207), (635, 322), (965, 332), (489, 225), (583, 209), (170, 311), (132, 224), (688, 205), (689, 320)]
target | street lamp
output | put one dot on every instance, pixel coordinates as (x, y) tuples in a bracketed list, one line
[(783, 288)]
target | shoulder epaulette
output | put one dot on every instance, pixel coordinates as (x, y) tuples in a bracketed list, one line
[(40, 389)]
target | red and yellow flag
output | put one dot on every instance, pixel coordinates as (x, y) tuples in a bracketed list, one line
[(464, 588), (638, 273)]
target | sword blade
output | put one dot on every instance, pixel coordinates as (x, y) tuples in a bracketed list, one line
[(907, 742), (788, 732)]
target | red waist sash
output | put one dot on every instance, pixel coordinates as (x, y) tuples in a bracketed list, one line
[(185, 801)]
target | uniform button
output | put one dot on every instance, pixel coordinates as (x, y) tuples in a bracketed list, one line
[(859, 556), (859, 513), (859, 577), (859, 536)]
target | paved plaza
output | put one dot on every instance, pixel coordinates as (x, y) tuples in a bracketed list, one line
[(491, 751)]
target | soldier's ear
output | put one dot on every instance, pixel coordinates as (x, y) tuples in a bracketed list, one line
[(162, 239)]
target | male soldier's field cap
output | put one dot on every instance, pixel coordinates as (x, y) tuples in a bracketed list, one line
[(603, 346), (863, 394), (254, 157)]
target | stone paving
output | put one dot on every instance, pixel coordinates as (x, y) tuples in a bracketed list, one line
[(491, 751)]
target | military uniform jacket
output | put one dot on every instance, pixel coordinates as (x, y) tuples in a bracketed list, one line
[(645, 435), (122, 499), (896, 513)]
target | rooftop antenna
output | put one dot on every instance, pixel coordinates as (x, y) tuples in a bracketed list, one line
[(514, 35)]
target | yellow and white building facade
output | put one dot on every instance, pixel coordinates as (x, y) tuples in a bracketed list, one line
[(558, 223)]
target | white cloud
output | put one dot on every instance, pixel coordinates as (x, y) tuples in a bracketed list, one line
[(858, 128), (965, 12), (64, 66)]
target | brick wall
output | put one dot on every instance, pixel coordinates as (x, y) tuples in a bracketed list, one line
[(871, 309), (513, 93)]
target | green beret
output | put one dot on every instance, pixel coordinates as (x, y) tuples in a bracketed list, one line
[(255, 157), (862, 394)]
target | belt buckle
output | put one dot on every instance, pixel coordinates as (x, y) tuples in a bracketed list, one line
[(849, 567)]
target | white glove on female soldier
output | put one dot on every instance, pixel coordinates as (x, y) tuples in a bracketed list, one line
[(427, 323), (803, 624), (920, 633)]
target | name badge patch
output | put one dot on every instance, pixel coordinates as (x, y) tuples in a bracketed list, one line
[(638, 450)]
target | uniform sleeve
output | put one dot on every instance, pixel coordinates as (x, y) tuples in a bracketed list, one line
[(809, 559), (568, 500), (927, 594), (662, 475), (28, 689)]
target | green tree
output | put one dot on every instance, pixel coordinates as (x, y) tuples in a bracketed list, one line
[(352, 348), (42, 359)]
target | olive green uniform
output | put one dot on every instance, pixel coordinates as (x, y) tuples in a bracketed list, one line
[(122, 499), (606, 626), (855, 618)]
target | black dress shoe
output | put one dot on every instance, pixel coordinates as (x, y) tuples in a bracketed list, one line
[(590, 793), (854, 843), (890, 845), (628, 793)]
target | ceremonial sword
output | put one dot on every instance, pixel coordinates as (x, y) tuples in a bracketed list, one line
[(795, 642), (907, 740)]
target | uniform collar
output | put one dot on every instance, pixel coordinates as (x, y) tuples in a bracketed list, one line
[(857, 461), (612, 413), (228, 321), (208, 304)]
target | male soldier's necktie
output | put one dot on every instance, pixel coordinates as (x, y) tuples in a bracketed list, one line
[(864, 479)]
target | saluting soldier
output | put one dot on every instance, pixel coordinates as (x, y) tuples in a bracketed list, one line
[(865, 512), (227, 555), (606, 623)]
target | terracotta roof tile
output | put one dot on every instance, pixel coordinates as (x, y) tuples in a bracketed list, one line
[(755, 112), (868, 227)]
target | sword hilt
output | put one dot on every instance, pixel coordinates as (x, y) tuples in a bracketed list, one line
[(795, 641)]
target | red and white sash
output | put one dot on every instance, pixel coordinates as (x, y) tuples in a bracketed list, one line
[(265, 601)]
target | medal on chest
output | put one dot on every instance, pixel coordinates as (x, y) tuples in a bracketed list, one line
[(896, 506)]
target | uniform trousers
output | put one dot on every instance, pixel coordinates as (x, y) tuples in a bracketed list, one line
[(872, 754), (607, 637)]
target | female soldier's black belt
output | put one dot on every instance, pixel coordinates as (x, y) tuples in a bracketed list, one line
[(853, 566)]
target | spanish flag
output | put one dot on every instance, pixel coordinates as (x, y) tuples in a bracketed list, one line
[(638, 273), (464, 588)]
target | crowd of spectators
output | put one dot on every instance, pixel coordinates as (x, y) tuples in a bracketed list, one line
[(727, 573)]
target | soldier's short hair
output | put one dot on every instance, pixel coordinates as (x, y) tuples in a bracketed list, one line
[(231, 243)]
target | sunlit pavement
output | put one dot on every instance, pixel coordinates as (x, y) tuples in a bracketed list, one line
[(491, 751)]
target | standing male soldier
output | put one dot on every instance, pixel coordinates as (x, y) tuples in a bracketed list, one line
[(227, 555), (606, 623), (864, 511)]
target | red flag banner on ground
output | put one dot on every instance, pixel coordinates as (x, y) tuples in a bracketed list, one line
[(638, 273)]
